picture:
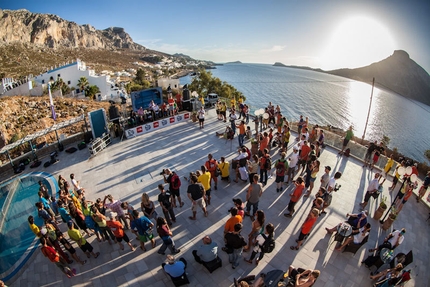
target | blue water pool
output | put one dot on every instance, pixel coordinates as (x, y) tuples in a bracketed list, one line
[(17, 199)]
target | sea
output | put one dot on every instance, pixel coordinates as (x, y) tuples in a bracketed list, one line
[(332, 100)]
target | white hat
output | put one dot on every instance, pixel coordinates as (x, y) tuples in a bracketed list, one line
[(113, 215)]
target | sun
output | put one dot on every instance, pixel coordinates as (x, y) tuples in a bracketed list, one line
[(356, 42)]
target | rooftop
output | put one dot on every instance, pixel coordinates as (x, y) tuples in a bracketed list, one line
[(127, 169)]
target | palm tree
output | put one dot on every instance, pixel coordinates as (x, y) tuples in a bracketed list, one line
[(91, 91), (83, 83)]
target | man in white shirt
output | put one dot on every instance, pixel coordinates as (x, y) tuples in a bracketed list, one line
[(393, 240), (330, 188), (371, 189), (294, 159), (357, 236)]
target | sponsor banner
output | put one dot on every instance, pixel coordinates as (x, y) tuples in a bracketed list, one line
[(148, 127)]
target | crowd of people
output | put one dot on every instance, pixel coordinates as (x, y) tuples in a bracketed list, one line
[(112, 220)]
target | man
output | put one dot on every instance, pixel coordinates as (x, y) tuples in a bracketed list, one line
[(75, 184), (206, 252), (302, 277), (166, 205), (196, 193), (393, 240), (174, 185), (42, 213), (115, 206), (44, 190), (175, 268), (76, 236), (205, 180), (300, 125), (304, 154), (281, 166), (349, 135), (368, 157), (118, 231), (34, 227), (233, 119), (242, 132), (306, 228), (255, 190), (231, 222), (371, 189), (54, 257), (142, 227), (264, 144), (46, 205), (211, 165), (201, 117), (357, 236), (378, 151), (424, 187), (325, 177), (224, 166), (295, 196), (330, 189), (294, 159), (265, 166), (234, 242)]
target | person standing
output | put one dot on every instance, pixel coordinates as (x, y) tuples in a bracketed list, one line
[(211, 164), (76, 236), (118, 231), (115, 206), (424, 187), (164, 200), (233, 119), (255, 190), (201, 117), (387, 168), (294, 159), (295, 196), (331, 187), (205, 180), (325, 177), (371, 189), (174, 186), (349, 135), (231, 222), (368, 156), (242, 132), (253, 167), (265, 166), (148, 207), (166, 235), (55, 258), (142, 227), (281, 166), (196, 193), (306, 228), (234, 242), (268, 234)]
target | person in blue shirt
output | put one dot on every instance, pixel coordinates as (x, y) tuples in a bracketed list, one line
[(46, 204), (175, 268), (142, 227), (63, 212)]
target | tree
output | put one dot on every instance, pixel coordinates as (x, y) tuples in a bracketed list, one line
[(427, 154), (83, 83), (91, 91)]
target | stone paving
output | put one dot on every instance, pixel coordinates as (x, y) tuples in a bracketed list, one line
[(127, 169)]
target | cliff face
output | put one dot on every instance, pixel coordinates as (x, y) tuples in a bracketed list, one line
[(398, 73), (22, 26)]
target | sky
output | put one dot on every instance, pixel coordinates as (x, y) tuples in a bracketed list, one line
[(327, 34)]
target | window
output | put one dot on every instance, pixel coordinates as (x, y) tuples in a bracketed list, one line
[(43, 81), (69, 82)]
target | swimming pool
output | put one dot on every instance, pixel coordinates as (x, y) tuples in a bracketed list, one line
[(17, 199)]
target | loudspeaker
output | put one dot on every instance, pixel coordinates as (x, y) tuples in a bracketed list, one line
[(113, 112), (185, 95), (187, 106)]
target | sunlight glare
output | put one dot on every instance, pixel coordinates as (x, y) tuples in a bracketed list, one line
[(358, 41)]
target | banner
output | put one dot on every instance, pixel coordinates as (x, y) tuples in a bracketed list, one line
[(155, 125)]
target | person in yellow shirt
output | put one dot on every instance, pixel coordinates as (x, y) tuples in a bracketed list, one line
[(387, 168), (34, 227), (233, 103), (205, 180), (225, 169)]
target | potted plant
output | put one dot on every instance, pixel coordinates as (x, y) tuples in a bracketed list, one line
[(381, 209), (390, 219)]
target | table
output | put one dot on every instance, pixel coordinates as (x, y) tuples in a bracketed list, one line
[(275, 278), (344, 229), (386, 255)]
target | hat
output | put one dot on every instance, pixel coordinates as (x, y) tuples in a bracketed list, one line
[(238, 201), (43, 231), (112, 214), (70, 223), (327, 167), (295, 148), (170, 259)]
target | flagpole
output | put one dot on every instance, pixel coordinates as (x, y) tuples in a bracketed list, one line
[(51, 101)]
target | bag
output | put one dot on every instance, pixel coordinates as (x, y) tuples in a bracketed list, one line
[(268, 245), (280, 167), (217, 172), (268, 163), (176, 182)]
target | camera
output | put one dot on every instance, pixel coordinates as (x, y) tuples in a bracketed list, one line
[(163, 172), (337, 187)]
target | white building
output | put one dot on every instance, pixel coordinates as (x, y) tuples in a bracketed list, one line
[(71, 73)]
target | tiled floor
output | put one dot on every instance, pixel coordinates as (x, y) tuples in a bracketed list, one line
[(127, 169)]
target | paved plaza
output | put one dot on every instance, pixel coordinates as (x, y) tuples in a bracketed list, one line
[(127, 169)]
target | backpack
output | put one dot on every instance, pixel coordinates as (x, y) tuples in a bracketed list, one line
[(268, 163), (268, 245), (176, 181), (280, 166)]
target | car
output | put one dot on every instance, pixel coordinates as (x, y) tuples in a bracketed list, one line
[(210, 100)]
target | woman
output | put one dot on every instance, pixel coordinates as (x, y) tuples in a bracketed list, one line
[(302, 277), (257, 229), (100, 219), (165, 234), (253, 167), (148, 207), (388, 276), (314, 169), (89, 221), (269, 233), (79, 218)]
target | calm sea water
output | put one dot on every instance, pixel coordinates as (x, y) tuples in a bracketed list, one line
[(333, 100)]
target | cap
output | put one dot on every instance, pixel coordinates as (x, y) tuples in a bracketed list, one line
[(43, 231), (238, 201), (327, 167), (295, 148)]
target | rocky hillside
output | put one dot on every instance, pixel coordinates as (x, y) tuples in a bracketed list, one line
[(21, 116), (398, 73), (22, 26)]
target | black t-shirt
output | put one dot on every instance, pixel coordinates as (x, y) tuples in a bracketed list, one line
[(379, 150), (234, 241), (196, 190), (371, 148), (164, 198)]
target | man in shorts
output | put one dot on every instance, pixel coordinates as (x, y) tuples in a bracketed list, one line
[(281, 166), (368, 157), (118, 231), (371, 189), (76, 236), (142, 227), (174, 186), (196, 193), (294, 159)]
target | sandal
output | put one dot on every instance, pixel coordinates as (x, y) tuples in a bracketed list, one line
[(294, 248), (206, 214), (192, 218), (249, 261), (154, 244), (97, 254)]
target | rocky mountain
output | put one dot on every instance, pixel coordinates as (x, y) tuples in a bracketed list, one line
[(48, 30), (398, 73)]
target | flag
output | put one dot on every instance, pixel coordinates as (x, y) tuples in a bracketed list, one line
[(54, 116)]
